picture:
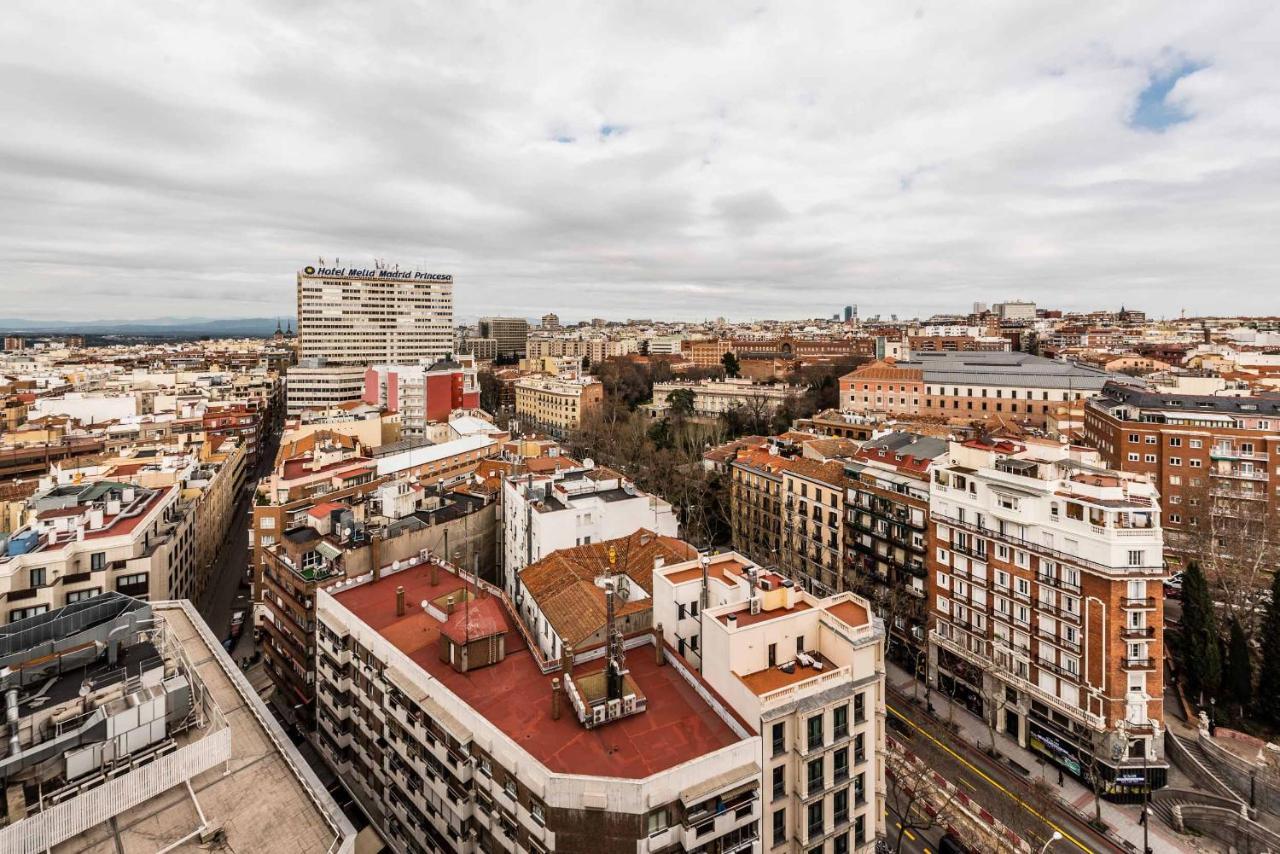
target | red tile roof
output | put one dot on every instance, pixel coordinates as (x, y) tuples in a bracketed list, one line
[(515, 696)]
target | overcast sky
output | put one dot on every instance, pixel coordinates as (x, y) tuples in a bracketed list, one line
[(681, 160)]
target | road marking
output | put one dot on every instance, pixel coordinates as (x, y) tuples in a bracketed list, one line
[(927, 851), (1065, 835), (911, 836), (967, 783)]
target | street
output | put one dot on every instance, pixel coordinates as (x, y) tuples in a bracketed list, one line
[(987, 781), (228, 588), (913, 841)]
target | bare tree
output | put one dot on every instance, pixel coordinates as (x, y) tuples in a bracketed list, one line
[(1234, 534), (918, 801)]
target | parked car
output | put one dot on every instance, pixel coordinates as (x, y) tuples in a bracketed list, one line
[(1173, 586), (237, 623), (948, 844)]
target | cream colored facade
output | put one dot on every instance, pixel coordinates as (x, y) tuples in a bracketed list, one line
[(556, 403), (360, 317), (808, 674)]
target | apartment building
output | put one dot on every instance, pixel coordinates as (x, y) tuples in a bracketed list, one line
[(557, 404), (805, 672), (813, 496), (316, 383), (887, 536), (360, 317), (455, 734), (563, 508), (83, 539), (511, 334), (755, 494), (1208, 454), (422, 394), (563, 606), (147, 737), (1045, 576), (713, 397), (977, 385), (883, 386), (596, 347)]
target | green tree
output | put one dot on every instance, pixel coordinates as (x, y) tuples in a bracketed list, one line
[(1239, 671), (1269, 675), (731, 366), (1199, 634), (586, 364), (681, 401)]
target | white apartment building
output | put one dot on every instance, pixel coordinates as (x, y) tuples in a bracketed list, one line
[(455, 736), (1045, 591), (353, 316), (84, 539), (319, 384), (808, 674), (574, 507), (712, 397)]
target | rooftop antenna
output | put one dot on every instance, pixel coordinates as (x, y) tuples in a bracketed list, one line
[(616, 669)]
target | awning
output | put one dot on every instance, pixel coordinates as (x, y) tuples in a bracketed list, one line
[(740, 777)]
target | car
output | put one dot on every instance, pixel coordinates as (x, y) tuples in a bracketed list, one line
[(237, 623), (948, 844), (1173, 586)]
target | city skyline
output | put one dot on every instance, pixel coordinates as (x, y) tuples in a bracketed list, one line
[(761, 163)]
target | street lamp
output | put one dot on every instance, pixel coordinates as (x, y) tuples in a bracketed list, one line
[(1052, 839)]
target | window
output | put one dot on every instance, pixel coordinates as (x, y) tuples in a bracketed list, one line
[(816, 818), (1133, 458), (22, 613), (1175, 441), (860, 789), (779, 739), (658, 820), (486, 767), (859, 749), (1197, 443), (815, 732), (800, 643), (779, 782), (1135, 557), (840, 764), (859, 830), (1149, 458), (840, 721), (81, 595), (537, 813), (816, 770), (1175, 461), (1150, 440), (840, 844), (1195, 464), (510, 788), (840, 807), (779, 826), (37, 576), (859, 708), (1135, 438), (97, 561)]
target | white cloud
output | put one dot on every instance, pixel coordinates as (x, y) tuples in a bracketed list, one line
[(176, 160)]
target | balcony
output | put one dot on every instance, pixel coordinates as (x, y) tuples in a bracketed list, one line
[(1041, 549), (1141, 604), (1138, 632), (1060, 642), (1139, 664), (1058, 583)]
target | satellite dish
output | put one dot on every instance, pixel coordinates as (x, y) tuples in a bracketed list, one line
[(588, 463)]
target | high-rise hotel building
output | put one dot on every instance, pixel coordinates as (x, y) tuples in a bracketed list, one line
[(351, 317)]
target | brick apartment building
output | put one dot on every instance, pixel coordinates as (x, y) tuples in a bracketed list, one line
[(1045, 578), (1207, 454)]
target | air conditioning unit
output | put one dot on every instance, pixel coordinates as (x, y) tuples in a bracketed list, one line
[(766, 584), (597, 714), (755, 605), (629, 703), (615, 708)]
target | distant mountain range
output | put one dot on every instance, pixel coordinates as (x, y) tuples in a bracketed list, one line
[(176, 326)]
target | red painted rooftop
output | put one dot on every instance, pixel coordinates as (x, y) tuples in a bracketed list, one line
[(515, 696)]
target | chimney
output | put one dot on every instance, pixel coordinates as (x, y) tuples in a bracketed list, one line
[(657, 645), (566, 660), (400, 601), (435, 573), (555, 698), (448, 604), (375, 555)]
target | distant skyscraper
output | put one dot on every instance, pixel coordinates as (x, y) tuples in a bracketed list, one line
[(979, 307), (848, 313), (511, 333)]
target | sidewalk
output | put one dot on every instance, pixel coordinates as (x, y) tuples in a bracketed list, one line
[(1122, 819)]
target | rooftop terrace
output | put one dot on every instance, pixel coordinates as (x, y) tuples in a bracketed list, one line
[(515, 696)]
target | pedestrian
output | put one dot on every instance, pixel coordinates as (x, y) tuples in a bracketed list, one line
[(1060, 775)]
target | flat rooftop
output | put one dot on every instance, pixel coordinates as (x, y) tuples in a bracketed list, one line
[(515, 696), (260, 801), (746, 618), (772, 678)]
